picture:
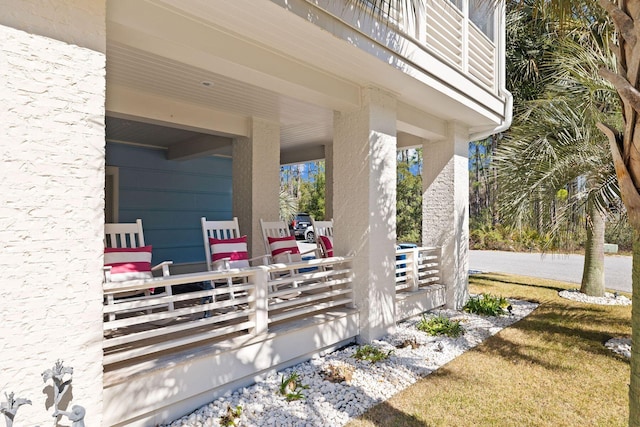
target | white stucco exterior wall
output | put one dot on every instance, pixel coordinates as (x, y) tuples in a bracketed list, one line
[(364, 171), (256, 181), (51, 202), (445, 209)]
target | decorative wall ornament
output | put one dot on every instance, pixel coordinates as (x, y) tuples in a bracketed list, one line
[(76, 415), (61, 377), (10, 407)]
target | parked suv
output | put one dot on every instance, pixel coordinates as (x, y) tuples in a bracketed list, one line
[(299, 224)]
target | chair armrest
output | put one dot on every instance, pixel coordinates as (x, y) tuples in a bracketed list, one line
[(221, 264), (316, 251), (165, 268), (107, 273)]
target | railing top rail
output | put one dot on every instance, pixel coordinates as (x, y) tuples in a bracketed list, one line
[(306, 264), (178, 279), (419, 248)]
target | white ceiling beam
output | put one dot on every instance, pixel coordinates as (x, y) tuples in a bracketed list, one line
[(302, 155), (412, 121), (126, 102), (200, 146)]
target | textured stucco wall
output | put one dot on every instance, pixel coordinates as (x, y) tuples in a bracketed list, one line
[(51, 206), (364, 172), (256, 180), (445, 209), (78, 22)]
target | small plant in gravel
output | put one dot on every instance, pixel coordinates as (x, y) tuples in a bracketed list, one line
[(338, 372), (487, 304), (408, 342), (370, 353), (440, 325), (232, 417), (291, 387)]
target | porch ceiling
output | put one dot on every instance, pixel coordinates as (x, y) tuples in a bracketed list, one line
[(131, 70), (205, 68)]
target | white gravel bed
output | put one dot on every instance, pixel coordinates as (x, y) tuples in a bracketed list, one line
[(607, 299), (328, 403), (621, 346)]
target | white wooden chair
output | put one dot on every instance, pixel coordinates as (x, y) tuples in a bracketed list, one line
[(284, 249), (323, 235), (287, 251), (128, 258), (225, 248)]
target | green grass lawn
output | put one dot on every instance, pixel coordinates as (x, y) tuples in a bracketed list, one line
[(549, 369)]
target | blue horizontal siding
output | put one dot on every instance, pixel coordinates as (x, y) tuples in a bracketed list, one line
[(170, 197)]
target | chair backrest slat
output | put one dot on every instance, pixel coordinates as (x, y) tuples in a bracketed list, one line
[(273, 229), (322, 228), (226, 229), (123, 235)]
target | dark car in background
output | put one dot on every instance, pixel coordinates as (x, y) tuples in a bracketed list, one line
[(299, 224)]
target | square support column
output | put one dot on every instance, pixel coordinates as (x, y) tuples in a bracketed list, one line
[(364, 154), (256, 181), (445, 209)]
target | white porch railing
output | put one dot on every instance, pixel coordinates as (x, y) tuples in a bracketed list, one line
[(458, 41), (258, 301), (417, 268), (446, 32)]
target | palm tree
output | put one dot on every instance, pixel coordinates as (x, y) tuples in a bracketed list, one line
[(554, 143), (624, 142)]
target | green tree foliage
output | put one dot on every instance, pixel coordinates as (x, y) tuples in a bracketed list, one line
[(302, 189), (312, 191), (409, 197)]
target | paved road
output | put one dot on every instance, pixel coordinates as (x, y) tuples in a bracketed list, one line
[(567, 268)]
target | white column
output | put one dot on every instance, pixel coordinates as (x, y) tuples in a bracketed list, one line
[(256, 181), (364, 153), (328, 183), (445, 209)]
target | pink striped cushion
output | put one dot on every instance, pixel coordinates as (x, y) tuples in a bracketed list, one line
[(233, 250), (326, 242), (128, 263), (282, 246)]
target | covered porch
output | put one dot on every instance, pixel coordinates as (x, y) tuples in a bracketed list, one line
[(212, 145)]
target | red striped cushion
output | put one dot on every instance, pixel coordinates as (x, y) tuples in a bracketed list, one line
[(128, 263), (281, 246), (327, 245), (234, 250)]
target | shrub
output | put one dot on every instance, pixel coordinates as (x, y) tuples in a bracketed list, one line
[(440, 325), (371, 353), (291, 387), (486, 304), (232, 417)]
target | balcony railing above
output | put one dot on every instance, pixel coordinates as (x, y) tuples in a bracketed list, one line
[(447, 30)]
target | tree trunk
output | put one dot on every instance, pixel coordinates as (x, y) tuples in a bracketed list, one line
[(634, 385), (593, 271)]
